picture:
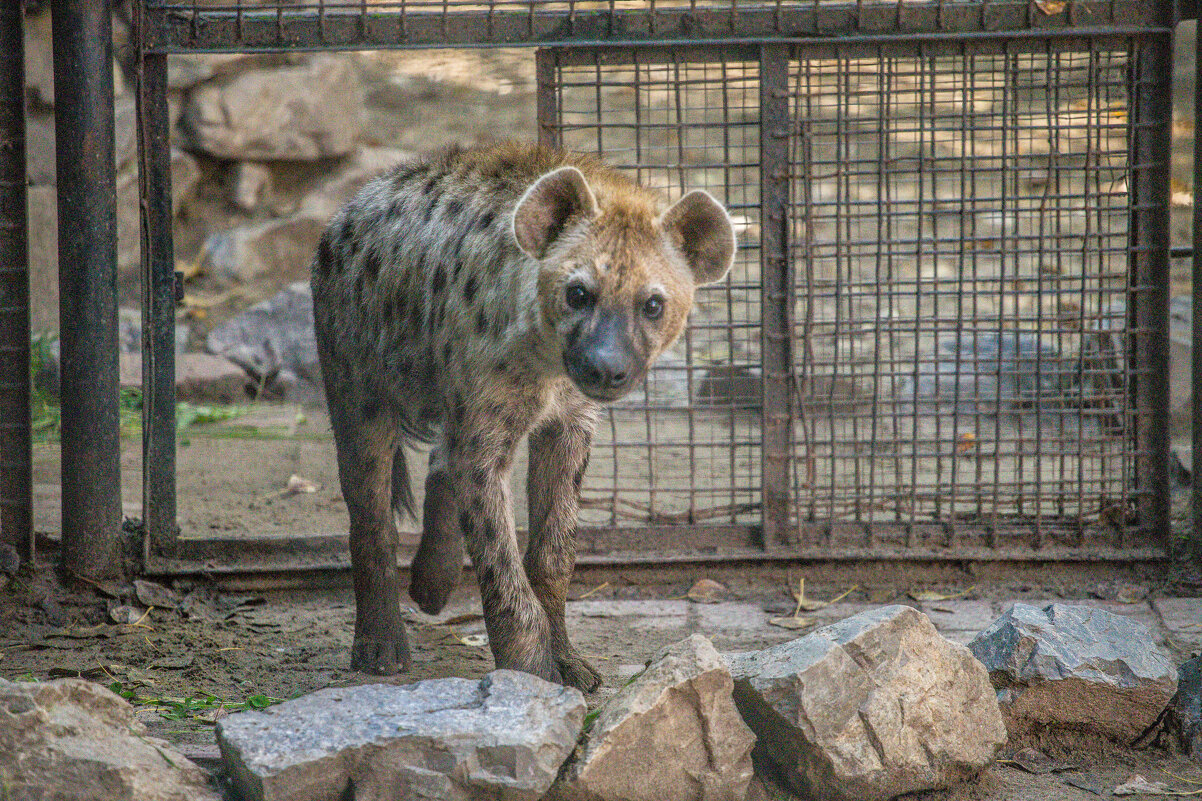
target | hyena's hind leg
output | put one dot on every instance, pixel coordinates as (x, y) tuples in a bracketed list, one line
[(366, 439), (438, 564), (559, 452)]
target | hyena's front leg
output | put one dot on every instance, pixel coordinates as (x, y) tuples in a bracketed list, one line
[(479, 457), (438, 564), (366, 443), (559, 454)]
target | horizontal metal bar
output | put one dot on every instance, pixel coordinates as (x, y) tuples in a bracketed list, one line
[(183, 28)]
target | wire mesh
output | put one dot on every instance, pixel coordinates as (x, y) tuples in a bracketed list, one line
[(686, 449), (964, 303), (962, 222)]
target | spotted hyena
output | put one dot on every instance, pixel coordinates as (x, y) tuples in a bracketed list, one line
[(468, 300)]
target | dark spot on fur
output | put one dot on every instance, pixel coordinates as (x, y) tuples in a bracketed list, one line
[(446, 353), (477, 505), (469, 288), (415, 317), (501, 367), (457, 270), (371, 409), (578, 478), (429, 212), (325, 256), (348, 230), (475, 442), (371, 265), (388, 313), (479, 476), (481, 322), (485, 575), (429, 187), (440, 281), (454, 207), (397, 207), (489, 530), (485, 219), (465, 524)]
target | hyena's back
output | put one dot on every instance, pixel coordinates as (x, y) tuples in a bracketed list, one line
[(418, 279)]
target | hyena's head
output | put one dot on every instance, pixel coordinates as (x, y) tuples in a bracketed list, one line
[(617, 275)]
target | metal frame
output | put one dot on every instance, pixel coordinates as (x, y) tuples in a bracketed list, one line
[(685, 29)]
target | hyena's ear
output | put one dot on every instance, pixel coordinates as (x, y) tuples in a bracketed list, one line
[(547, 206), (701, 228)]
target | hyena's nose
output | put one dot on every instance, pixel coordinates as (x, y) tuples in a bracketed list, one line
[(606, 370)]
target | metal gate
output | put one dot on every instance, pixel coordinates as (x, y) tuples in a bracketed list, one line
[(946, 333)]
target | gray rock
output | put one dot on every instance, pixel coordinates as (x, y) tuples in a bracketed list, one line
[(251, 185), (72, 738), (276, 249), (876, 705), (1186, 707), (349, 177), (671, 733), (297, 113), (1076, 667), (448, 739), (274, 342), (972, 369)]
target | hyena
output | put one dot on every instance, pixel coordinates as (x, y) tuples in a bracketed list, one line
[(470, 299)]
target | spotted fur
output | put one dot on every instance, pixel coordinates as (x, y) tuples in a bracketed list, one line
[(468, 300)]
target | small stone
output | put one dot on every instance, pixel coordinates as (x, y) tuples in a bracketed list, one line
[(869, 708), (252, 185), (452, 739), (73, 738), (1076, 667), (199, 378), (672, 733)]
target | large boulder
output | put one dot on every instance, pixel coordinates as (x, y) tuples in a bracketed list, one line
[(280, 249), (672, 733), (298, 113), (504, 736), (72, 738), (275, 343), (876, 705), (1076, 668)]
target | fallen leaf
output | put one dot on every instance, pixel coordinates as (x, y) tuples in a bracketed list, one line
[(1139, 785), (807, 605), (792, 623), (297, 485), (474, 640), (1085, 783), (455, 620), (151, 594), (1032, 760), (706, 591), (1051, 7), (928, 596)]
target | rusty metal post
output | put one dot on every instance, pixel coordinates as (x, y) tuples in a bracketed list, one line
[(548, 98), (158, 301), (1194, 543), (87, 258), (776, 293), (16, 483), (1153, 72)]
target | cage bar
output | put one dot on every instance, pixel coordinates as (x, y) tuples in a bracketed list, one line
[(16, 477), (87, 258)]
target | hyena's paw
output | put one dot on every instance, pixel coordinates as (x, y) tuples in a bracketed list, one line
[(434, 574), (382, 653), (577, 672)]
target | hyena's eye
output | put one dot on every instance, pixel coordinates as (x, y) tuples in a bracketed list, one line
[(578, 297), (653, 307)]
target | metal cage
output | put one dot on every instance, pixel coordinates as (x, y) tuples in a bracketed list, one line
[(946, 332)]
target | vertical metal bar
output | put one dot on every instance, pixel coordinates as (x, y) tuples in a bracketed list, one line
[(16, 457), (158, 305), (1150, 266), (549, 133), (1194, 542), (776, 287), (87, 258)]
